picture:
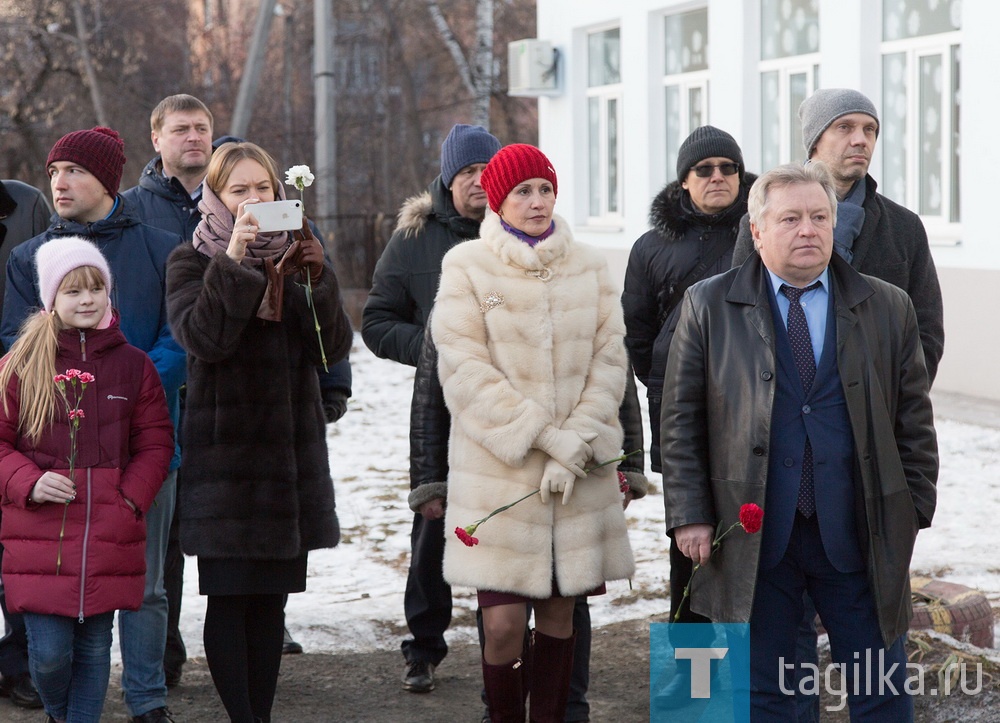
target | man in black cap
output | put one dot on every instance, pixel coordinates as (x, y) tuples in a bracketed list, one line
[(395, 315), (694, 220)]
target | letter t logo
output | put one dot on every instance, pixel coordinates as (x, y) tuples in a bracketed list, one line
[(701, 667)]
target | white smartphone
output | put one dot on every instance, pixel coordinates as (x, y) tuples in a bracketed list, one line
[(277, 215)]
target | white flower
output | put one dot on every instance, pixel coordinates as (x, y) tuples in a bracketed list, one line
[(299, 176)]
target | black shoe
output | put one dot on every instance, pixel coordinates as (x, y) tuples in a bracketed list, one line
[(21, 691), (419, 677), (173, 676), (290, 647), (157, 715)]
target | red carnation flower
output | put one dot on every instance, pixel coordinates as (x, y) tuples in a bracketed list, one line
[(622, 482), (465, 537), (751, 517), (86, 377), (70, 373)]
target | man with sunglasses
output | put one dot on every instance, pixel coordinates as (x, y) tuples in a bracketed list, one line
[(695, 220)]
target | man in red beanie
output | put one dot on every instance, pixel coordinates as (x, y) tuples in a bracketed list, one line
[(85, 169)]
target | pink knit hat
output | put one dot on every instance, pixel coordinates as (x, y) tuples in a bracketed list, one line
[(512, 165), (56, 258)]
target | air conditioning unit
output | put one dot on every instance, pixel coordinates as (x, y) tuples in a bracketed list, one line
[(532, 68)]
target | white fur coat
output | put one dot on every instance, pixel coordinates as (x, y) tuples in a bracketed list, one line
[(518, 353)]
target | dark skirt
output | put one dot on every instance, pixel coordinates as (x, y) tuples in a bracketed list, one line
[(489, 598), (231, 576)]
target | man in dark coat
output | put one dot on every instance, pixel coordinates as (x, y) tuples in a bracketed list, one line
[(395, 315), (876, 236), (695, 220), (824, 420), (24, 213), (167, 197), (85, 169)]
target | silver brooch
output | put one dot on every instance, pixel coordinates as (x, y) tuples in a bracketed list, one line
[(491, 301), (543, 274)]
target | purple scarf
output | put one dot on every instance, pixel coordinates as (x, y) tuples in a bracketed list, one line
[(530, 240)]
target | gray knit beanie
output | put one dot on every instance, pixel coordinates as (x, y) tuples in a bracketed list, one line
[(464, 146), (822, 108), (707, 142)]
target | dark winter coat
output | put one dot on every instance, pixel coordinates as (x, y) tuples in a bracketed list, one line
[(430, 425), (24, 213), (124, 445), (893, 247), (659, 260), (406, 275), (256, 469), (716, 429), (137, 255), (163, 202)]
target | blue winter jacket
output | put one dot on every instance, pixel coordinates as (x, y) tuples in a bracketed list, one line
[(163, 202), (137, 254)]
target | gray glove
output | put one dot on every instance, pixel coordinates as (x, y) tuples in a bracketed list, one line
[(334, 405)]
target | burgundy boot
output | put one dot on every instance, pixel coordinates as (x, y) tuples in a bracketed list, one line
[(552, 665), (504, 691)]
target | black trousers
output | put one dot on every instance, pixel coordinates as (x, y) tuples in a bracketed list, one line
[(427, 600), (13, 645), (175, 653)]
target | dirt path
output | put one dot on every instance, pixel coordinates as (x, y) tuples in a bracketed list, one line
[(364, 688)]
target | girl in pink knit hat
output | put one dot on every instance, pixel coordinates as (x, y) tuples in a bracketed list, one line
[(85, 442)]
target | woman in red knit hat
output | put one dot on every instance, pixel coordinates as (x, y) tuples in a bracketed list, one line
[(529, 333)]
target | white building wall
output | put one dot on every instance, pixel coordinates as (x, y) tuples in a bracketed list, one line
[(850, 37)]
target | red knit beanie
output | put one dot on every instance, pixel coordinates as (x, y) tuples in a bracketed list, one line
[(100, 150), (512, 165)]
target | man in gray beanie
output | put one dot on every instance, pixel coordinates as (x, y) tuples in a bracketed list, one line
[(395, 315), (694, 223), (876, 236)]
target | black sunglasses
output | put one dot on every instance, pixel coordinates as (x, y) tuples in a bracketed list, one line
[(706, 170)]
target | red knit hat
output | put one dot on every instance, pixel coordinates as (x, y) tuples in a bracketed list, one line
[(100, 150), (512, 165)]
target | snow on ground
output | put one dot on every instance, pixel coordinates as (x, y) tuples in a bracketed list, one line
[(354, 600)]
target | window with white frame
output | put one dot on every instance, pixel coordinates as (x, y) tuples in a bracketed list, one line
[(919, 133), (789, 73), (604, 123), (685, 78)]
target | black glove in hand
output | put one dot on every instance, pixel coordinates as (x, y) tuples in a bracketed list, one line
[(334, 405)]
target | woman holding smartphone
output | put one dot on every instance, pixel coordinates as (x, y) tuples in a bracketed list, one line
[(257, 493)]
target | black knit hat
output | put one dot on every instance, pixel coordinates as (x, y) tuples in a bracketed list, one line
[(707, 142)]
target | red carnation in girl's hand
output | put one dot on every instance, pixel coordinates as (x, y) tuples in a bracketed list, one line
[(465, 537), (86, 377), (70, 373), (622, 482), (751, 518)]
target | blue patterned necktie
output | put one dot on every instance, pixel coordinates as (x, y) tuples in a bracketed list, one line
[(802, 351)]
